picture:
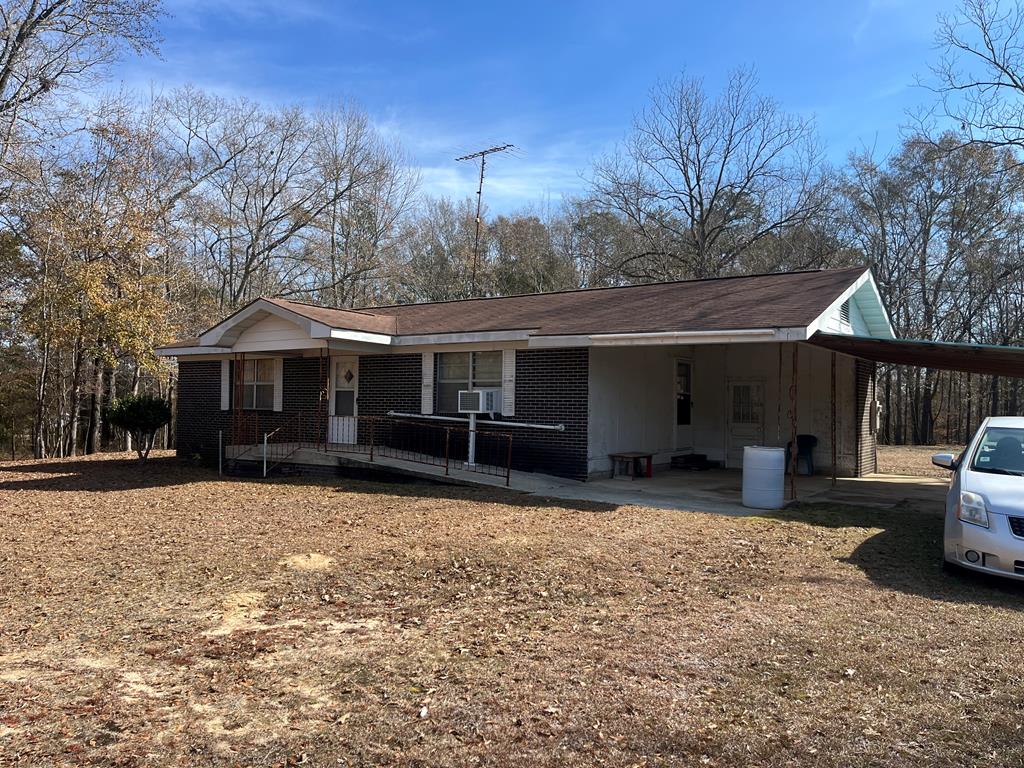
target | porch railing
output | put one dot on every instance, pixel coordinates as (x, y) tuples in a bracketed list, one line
[(376, 437), (300, 430)]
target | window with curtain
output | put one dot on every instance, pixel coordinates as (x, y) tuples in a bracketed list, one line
[(258, 385), (463, 371)]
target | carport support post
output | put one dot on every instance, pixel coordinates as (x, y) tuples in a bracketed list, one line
[(792, 434), (834, 450)]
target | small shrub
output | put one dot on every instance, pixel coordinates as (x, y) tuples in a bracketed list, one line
[(140, 416)]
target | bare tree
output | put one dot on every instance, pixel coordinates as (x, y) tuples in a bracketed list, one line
[(369, 190), (702, 179), (53, 45), (980, 76)]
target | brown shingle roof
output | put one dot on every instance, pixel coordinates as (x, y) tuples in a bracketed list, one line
[(350, 319), (782, 300)]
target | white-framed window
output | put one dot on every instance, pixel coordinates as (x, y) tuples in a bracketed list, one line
[(462, 371), (258, 385)]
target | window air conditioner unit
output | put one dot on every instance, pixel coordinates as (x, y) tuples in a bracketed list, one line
[(487, 400)]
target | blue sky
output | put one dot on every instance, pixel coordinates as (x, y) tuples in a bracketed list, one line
[(560, 79)]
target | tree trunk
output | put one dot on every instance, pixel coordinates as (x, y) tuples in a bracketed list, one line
[(106, 434), (75, 398), (92, 440), (39, 427)]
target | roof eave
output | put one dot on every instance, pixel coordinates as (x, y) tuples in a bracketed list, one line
[(659, 338)]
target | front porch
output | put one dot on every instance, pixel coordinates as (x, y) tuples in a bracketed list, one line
[(716, 491)]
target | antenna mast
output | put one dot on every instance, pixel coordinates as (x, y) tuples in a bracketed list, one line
[(482, 154)]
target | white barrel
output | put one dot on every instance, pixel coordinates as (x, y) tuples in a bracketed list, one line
[(764, 477)]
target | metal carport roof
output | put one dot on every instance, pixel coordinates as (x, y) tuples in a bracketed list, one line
[(939, 355)]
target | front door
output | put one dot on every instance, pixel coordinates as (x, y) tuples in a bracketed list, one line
[(684, 405), (746, 417), (342, 425)]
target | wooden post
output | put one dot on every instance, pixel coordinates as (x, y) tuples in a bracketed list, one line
[(793, 416), (835, 451)]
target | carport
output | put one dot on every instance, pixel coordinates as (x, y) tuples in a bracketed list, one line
[(987, 359), (938, 355)]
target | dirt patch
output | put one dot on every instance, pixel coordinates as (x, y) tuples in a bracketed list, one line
[(158, 618), (311, 561)]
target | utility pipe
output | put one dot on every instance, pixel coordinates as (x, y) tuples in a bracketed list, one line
[(551, 427)]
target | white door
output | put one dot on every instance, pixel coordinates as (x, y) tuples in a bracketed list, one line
[(746, 417), (342, 425), (684, 405)]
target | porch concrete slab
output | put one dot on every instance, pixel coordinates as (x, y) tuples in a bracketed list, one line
[(720, 491), (717, 491)]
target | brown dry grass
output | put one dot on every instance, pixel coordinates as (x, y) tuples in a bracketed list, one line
[(166, 617), (913, 459)]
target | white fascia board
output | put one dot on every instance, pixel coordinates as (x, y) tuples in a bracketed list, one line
[(364, 337), (278, 346), (559, 342), (866, 279), (739, 336), (190, 351), (478, 337)]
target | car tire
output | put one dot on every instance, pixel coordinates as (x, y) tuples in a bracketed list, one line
[(953, 569)]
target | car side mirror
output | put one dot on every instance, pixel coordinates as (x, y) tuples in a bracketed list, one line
[(944, 460)]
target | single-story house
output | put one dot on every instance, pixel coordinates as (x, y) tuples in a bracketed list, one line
[(689, 367)]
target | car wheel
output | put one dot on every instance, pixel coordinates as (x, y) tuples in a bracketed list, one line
[(953, 569)]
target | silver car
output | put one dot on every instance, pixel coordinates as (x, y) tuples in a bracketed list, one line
[(985, 503)]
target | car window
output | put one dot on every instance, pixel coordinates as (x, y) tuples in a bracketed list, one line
[(1000, 451)]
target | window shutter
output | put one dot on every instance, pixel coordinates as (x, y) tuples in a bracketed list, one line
[(225, 384), (508, 382), (278, 384), (427, 395)]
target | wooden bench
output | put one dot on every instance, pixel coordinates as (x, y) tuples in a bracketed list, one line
[(634, 458)]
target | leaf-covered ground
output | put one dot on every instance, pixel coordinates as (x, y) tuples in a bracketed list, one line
[(166, 617), (913, 459)]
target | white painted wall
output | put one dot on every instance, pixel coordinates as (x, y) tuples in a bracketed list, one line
[(632, 399), (274, 333), (631, 402)]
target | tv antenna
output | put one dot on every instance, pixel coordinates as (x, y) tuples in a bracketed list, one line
[(482, 154)]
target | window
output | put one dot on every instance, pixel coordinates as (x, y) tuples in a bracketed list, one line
[(744, 407), (258, 385), (683, 393), (1001, 451), (464, 370), (344, 389)]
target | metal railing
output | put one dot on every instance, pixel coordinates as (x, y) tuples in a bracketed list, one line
[(443, 445), (376, 437), (301, 430)]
